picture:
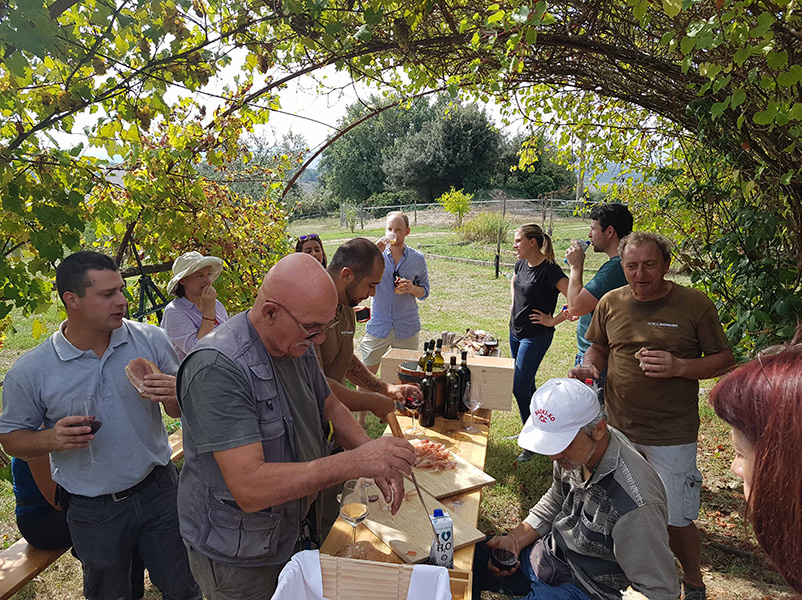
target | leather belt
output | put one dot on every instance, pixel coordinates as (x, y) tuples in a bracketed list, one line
[(149, 478), (122, 495)]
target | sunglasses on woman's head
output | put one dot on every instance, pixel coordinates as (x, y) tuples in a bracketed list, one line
[(771, 351), (309, 236)]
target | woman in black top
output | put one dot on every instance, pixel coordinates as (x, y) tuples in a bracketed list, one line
[(535, 287)]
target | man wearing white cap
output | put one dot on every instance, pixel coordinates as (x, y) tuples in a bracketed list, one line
[(600, 528), (196, 311)]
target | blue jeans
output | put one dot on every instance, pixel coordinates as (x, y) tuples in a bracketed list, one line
[(523, 583), (528, 353), (105, 535)]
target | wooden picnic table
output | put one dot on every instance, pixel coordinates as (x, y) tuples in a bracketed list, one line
[(470, 446)]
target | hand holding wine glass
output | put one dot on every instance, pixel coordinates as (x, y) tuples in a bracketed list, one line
[(473, 400), (354, 503), (88, 408)]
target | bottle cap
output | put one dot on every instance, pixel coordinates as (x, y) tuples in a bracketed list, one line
[(453, 360), (464, 354), (588, 381), (438, 512)]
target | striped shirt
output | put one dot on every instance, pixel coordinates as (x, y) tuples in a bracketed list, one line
[(400, 311), (612, 528)]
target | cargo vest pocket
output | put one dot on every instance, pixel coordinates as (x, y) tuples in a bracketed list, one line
[(243, 535)]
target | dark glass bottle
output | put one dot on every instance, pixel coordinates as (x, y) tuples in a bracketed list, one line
[(451, 408), (429, 389), (464, 377), (423, 357), (439, 361)]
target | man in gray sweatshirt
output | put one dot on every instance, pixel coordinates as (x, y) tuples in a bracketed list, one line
[(600, 528)]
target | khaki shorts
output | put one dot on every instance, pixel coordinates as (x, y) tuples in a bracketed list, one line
[(373, 348), (676, 466)]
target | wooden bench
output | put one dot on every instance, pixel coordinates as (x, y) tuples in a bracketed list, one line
[(21, 562)]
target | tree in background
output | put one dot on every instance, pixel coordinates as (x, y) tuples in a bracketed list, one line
[(457, 148), (539, 176), (351, 167), (252, 173)]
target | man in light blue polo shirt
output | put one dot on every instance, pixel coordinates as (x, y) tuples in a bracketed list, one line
[(117, 485), (394, 316)]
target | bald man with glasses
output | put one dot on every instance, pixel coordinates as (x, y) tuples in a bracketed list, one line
[(259, 424)]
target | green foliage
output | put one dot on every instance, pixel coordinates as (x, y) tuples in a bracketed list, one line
[(540, 176), (457, 149), (351, 167), (456, 202), (709, 89), (394, 198), (114, 66), (484, 227)]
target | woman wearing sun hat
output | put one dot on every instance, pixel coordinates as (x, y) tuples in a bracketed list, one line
[(196, 310)]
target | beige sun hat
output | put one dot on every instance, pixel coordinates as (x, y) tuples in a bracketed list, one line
[(188, 263)]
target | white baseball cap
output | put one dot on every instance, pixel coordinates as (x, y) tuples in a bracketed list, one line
[(559, 409), (188, 263)]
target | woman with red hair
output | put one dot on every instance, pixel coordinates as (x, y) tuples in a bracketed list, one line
[(762, 400)]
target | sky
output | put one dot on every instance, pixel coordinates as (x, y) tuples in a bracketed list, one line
[(305, 109)]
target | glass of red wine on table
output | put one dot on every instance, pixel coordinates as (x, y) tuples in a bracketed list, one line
[(413, 406), (88, 407)]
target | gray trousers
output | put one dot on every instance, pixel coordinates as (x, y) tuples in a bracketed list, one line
[(224, 582)]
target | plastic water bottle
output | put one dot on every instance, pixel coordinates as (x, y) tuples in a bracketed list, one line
[(584, 244)]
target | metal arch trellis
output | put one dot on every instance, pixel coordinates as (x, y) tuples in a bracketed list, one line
[(149, 292)]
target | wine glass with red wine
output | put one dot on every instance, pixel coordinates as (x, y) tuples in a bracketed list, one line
[(88, 408), (413, 405)]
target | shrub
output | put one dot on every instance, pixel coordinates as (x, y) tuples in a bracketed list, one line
[(484, 228), (457, 202)]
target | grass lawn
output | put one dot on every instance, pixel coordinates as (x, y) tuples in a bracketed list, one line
[(467, 295)]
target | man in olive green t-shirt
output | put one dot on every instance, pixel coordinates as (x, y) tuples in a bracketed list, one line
[(657, 339), (356, 269)]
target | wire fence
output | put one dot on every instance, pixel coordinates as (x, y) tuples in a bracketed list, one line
[(542, 209), (564, 220), (545, 208)]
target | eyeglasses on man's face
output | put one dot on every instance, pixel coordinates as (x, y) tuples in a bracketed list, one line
[(308, 335)]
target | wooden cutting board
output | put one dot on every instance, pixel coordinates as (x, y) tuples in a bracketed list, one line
[(465, 477), (462, 478), (409, 532)]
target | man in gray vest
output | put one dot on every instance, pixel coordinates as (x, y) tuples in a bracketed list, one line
[(259, 422)]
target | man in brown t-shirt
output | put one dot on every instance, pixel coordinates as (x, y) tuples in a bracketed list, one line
[(356, 269), (657, 339)]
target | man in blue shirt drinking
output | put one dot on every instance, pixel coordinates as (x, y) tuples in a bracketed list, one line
[(394, 321)]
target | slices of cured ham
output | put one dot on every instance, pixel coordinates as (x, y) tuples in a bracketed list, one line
[(433, 456), (136, 370)]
